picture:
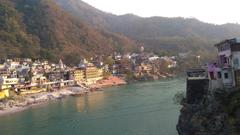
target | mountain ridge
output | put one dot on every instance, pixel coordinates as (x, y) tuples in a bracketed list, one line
[(157, 33), (51, 33)]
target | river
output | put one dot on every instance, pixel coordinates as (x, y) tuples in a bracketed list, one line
[(137, 109)]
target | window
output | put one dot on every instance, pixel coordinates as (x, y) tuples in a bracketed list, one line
[(235, 62), (219, 75), (226, 75)]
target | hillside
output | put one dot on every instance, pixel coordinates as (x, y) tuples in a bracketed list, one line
[(41, 29), (14, 39), (157, 33)]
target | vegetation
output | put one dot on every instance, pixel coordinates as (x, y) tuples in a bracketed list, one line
[(41, 29), (14, 40), (159, 34), (232, 105), (230, 102)]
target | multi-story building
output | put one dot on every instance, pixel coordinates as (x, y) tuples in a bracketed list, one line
[(93, 74), (78, 75), (38, 79), (227, 69), (7, 83), (5, 72), (12, 64), (56, 76)]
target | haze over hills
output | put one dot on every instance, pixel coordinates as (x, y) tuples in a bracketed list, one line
[(41, 29), (71, 29), (157, 33)]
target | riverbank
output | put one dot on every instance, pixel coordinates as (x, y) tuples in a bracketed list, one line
[(135, 109), (21, 102), (108, 82)]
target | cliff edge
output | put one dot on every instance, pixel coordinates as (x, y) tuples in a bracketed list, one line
[(218, 113)]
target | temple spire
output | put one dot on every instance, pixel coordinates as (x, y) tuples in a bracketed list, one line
[(61, 65)]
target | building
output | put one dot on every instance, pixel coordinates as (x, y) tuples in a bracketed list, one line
[(153, 58), (142, 49), (12, 64), (38, 79), (61, 65), (4, 94), (93, 74), (197, 86), (8, 83), (144, 68), (55, 76), (229, 62), (4, 72), (215, 77), (115, 69), (78, 75), (59, 75)]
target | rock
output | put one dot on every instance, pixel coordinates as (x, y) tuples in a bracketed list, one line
[(206, 118)]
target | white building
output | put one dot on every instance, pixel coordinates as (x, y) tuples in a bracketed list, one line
[(153, 58), (6, 83), (10, 64)]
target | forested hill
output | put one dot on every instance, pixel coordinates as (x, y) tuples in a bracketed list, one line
[(41, 29), (158, 33), (71, 29)]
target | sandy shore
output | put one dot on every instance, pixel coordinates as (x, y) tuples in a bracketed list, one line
[(20, 103)]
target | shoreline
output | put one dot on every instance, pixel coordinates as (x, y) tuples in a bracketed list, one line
[(16, 105), (22, 103), (32, 100)]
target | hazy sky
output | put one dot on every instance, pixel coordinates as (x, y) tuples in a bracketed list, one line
[(212, 11)]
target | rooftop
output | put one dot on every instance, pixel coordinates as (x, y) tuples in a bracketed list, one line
[(229, 41)]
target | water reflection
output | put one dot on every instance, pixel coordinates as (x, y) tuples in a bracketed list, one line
[(141, 108), (90, 102)]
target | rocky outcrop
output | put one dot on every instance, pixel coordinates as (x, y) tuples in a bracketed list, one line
[(213, 116)]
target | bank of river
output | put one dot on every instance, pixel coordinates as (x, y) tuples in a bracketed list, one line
[(136, 109)]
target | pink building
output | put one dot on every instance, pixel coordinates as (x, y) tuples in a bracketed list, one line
[(228, 62)]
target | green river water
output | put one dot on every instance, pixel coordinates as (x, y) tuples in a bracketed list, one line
[(137, 109)]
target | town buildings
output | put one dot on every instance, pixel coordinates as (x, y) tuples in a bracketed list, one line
[(25, 76), (225, 73)]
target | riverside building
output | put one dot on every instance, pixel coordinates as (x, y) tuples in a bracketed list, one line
[(225, 73), (93, 74)]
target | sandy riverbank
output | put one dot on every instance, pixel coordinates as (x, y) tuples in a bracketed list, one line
[(20, 103)]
